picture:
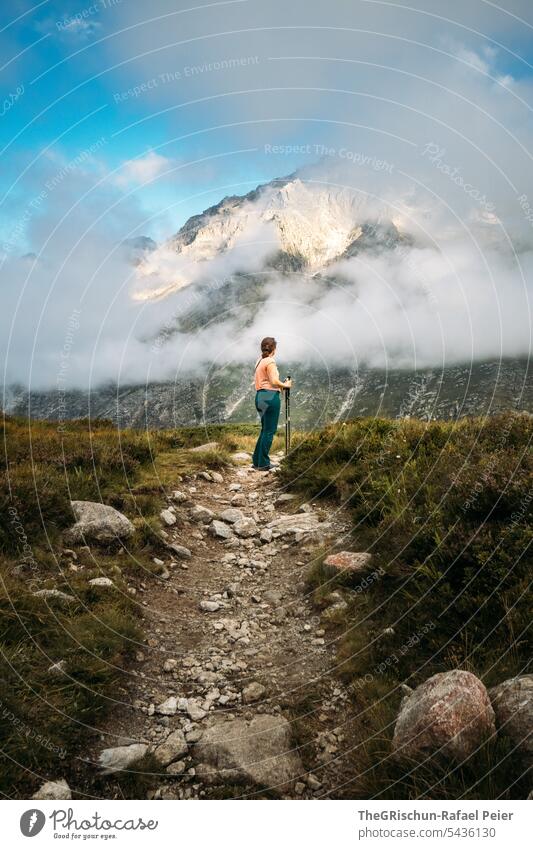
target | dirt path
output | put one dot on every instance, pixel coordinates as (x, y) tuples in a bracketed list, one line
[(232, 636)]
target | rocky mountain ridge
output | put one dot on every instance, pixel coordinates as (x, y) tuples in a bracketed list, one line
[(289, 222), (319, 396)]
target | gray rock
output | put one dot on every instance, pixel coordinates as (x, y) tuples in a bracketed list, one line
[(179, 550), (232, 515), (208, 446), (241, 456), (174, 747), (246, 528), (450, 713), (53, 791), (220, 530), (57, 594), (313, 782), (121, 757), (284, 498), (266, 535), (195, 711), (209, 606), (168, 707), (170, 665), (177, 768), (260, 752), (179, 497), (168, 517), (253, 692), (217, 477), (199, 513), (303, 523), (512, 701), (101, 582), (349, 561), (100, 522)]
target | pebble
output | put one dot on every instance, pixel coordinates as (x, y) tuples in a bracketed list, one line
[(179, 497), (253, 693), (177, 768), (232, 515), (220, 530), (194, 711), (201, 514), (180, 551), (210, 606), (168, 517), (101, 582), (245, 528), (313, 782), (169, 707)]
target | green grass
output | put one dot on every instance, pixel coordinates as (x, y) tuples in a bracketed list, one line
[(446, 511), (46, 719)]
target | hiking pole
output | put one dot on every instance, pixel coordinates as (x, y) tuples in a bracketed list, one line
[(287, 418)]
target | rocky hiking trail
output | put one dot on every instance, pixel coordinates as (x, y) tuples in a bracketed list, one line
[(234, 693)]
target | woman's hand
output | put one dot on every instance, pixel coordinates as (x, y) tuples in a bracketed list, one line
[(287, 383)]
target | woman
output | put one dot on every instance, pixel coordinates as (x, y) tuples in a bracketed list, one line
[(268, 388)]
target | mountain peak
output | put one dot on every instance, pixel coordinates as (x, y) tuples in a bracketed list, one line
[(313, 221)]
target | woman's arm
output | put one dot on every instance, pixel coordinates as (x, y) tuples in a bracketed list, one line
[(273, 376)]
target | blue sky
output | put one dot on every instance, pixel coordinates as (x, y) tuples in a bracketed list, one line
[(122, 117), (159, 80)]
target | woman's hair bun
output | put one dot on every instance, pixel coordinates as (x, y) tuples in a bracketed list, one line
[(268, 345)]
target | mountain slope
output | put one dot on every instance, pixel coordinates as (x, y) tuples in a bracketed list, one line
[(318, 397), (302, 224)]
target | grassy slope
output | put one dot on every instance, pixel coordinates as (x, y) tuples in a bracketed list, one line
[(445, 509), (44, 718)]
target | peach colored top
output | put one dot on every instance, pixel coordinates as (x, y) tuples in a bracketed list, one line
[(261, 374)]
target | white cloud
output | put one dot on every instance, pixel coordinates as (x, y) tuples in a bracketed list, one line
[(464, 290), (142, 169)]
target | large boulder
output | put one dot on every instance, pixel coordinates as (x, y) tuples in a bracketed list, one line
[(259, 752), (513, 706), (95, 521), (449, 714)]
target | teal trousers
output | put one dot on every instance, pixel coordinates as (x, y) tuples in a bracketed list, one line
[(268, 405)]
